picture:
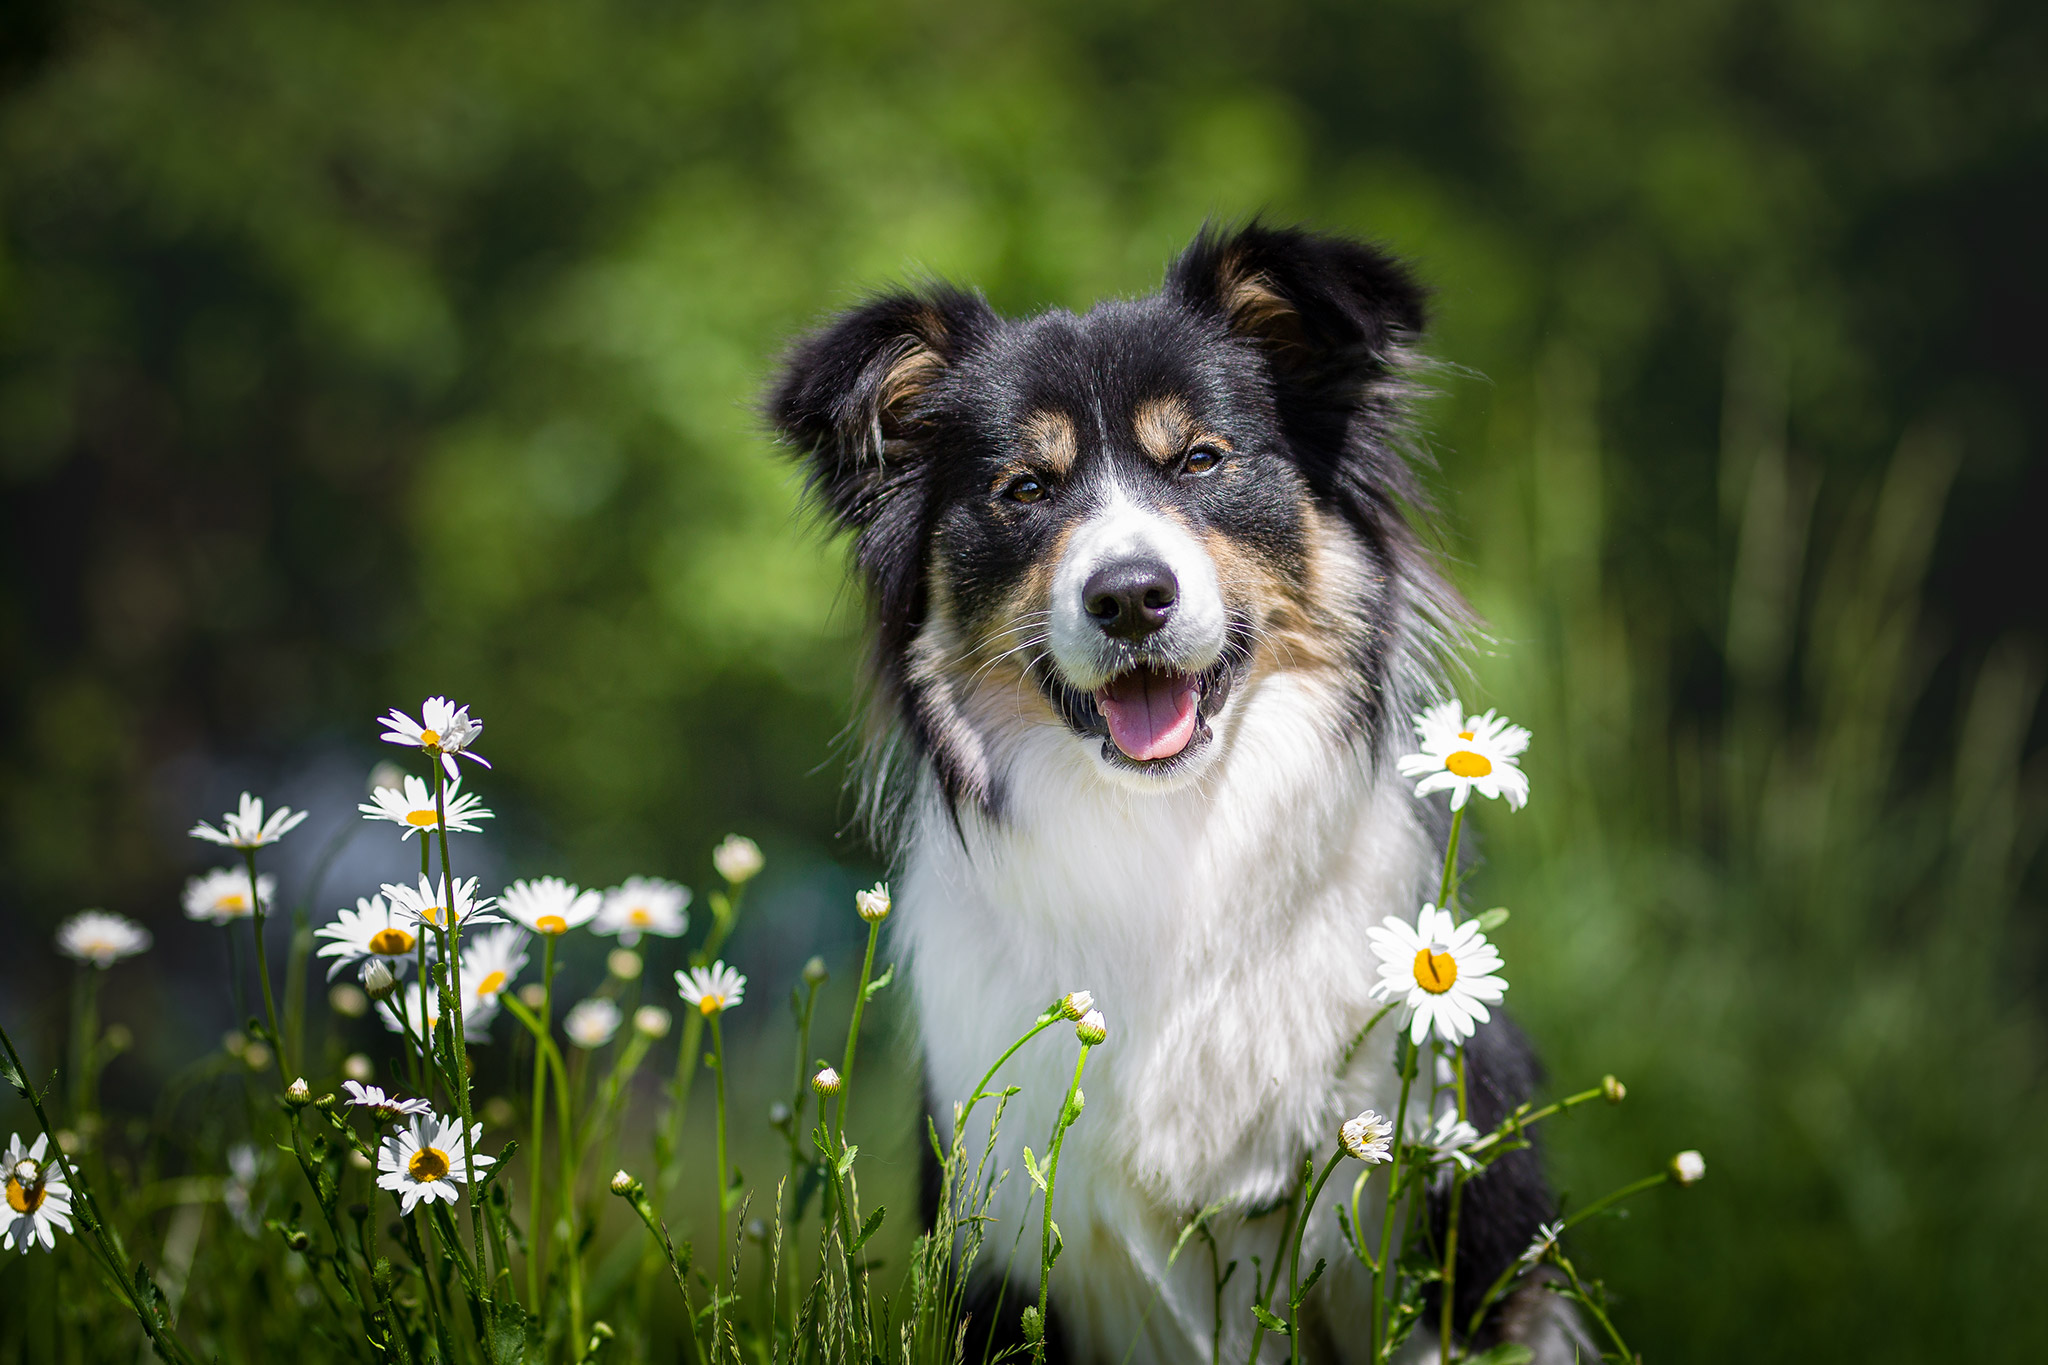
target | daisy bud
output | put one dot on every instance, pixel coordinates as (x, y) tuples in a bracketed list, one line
[(652, 1021), (623, 963), (814, 972), (1369, 1137), (1075, 1005), (624, 1185), (779, 1114), (358, 1067), (1688, 1168), (1034, 1326), (378, 983), (1093, 1028), (1080, 1103), (737, 859), (298, 1094), (826, 1082), (327, 1103), (873, 904), (297, 1240), (1613, 1089)]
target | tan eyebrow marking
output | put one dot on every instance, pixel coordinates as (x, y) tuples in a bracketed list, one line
[(1053, 440), (1166, 430)]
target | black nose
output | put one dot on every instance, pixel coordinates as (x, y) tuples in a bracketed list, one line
[(1131, 598)]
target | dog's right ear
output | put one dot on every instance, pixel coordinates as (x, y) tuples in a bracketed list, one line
[(856, 397)]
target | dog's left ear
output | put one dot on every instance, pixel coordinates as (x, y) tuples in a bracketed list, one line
[(1329, 313)]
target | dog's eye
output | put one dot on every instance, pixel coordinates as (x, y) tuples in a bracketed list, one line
[(1201, 460), (1024, 488)]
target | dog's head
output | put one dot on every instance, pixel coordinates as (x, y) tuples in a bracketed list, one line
[(1109, 527)]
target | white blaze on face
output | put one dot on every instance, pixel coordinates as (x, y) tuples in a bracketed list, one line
[(1123, 530)]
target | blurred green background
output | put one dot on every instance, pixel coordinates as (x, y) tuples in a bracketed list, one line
[(351, 353)]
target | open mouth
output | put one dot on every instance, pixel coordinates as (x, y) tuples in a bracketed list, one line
[(1151, 712), (1150, 716)]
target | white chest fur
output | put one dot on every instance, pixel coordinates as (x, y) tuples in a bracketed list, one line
[(1221, 928)]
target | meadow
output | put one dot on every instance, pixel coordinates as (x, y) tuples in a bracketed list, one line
[(352, 357)]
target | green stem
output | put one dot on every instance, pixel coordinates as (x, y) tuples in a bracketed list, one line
[(1294, 1262), (722, 921), (1068, 1113), (462, 1098), (718, 1265), (1443, 895), (860, 1000), (1263, 1286), (799, 1102), (536, 1235), (284, 1071), (1450, 1264), (981, 1091), (1383, 1279)]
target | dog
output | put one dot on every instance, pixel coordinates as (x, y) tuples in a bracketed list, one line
[(1153, 602)]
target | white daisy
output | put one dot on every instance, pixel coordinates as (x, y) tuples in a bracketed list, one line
[(1540, 1245), (100, 938), (38, 1199), (411, 805), (1688, 1168), (429, 904), (1462, 754), (427, 1161), (373, 1097), (223, 895), (477, 1014), (372, 932), (490, 961), (591, 1023), (247, 827), (737, 858), (712, 989), (1442, 972), (549, 905), (443, 728), (1369, 1137), (1446, 1139), (644, 905)]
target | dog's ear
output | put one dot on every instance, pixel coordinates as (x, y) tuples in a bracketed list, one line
[(1328, 312), (854, 398)]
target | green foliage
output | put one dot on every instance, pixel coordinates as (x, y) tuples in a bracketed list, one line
[(351, 351)]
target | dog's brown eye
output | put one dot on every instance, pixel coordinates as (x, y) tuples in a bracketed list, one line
[(1024, 488), (1201, 460)]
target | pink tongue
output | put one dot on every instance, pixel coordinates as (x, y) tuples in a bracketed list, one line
[(1151, 715)]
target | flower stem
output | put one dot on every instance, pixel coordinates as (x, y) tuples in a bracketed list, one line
[(722, 921), (536, 1235), (1449, 881), (1383, 1278), (284, 1071), (1068, 1113), (462, 1098), (1294, 1261), (718, 1264), (860, 1000)]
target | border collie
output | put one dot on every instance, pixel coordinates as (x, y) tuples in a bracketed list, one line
[(1152, 605)]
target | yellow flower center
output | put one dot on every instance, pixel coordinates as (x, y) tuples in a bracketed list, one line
[(641, 915), (421, 819), (708, 1004), (1465, 763), (1435, 972), (428, 739), (428, 1164), (1465, 735), (491, 984), (234, 903), (391, 942), (551, 924), (431, 914), (24, 1198)]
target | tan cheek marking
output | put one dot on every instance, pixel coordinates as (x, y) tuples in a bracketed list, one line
[(1310, 624)]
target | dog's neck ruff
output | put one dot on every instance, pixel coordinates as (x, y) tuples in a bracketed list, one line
[(1221, 926)]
